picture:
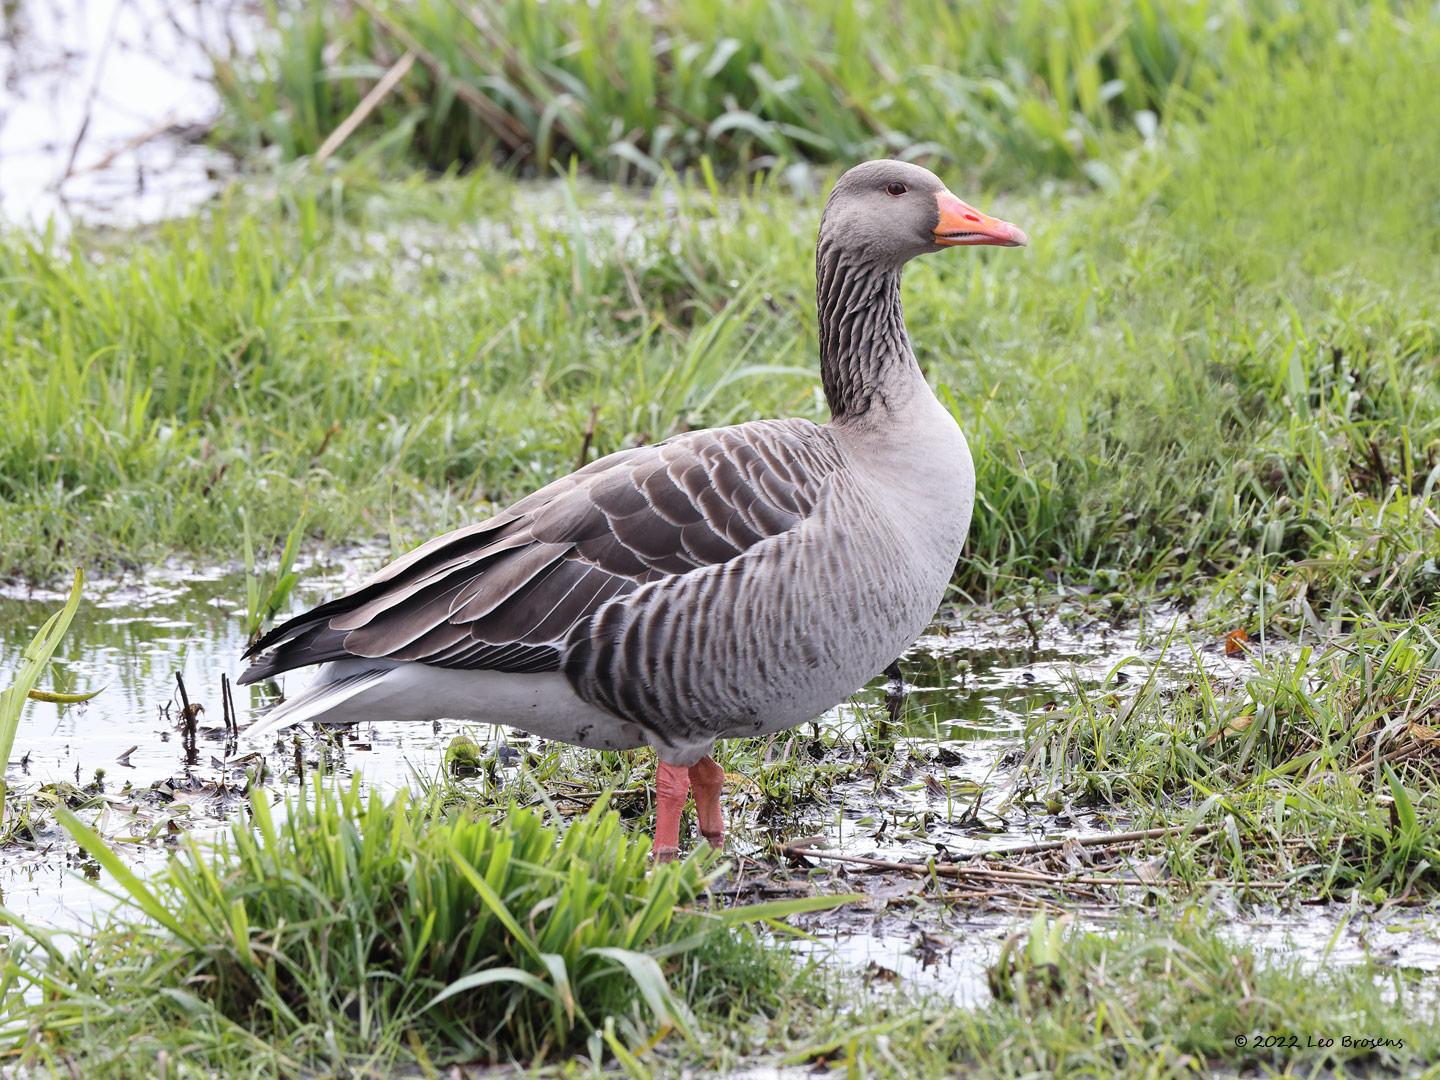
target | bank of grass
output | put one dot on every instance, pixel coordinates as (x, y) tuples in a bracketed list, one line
[(1318, 774), (1010, 91), (1167, 995), (350, 931), (1221, 368)]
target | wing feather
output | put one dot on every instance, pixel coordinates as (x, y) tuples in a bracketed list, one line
[(508, 594)]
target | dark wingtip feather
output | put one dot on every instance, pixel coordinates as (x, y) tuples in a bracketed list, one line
[(260, 669), (296, 647), (288, 629)]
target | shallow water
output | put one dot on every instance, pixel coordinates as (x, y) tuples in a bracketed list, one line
[(106, 107), (131, 637), (971, 684), (134, 634), (105, 104)]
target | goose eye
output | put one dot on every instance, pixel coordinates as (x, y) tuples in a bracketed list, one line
[(896, 188)]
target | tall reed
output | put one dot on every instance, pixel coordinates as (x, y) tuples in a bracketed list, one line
[(631, 89)]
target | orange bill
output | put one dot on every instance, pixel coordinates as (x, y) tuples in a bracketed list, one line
[(961, 225)]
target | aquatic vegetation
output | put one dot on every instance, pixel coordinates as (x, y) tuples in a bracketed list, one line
[(1175, 996), (263, 602), (1014, 91), (351, 921), (1207, 394), (32, 666), (1320, 771), (1174, 387)]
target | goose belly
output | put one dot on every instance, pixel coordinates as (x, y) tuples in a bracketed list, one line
[(543, 704), (845, 601), (836, 637), (767, 641)]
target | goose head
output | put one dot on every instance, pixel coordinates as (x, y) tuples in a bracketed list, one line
[(888, 212)]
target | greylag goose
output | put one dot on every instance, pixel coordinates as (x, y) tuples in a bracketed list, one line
[(720, 584)]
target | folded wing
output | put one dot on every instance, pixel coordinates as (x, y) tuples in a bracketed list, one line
[(505, 594)]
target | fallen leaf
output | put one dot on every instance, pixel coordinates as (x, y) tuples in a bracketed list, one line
[(1075, 854), (880, 973), (1151, 870), (1234, 727), (1236, 641)]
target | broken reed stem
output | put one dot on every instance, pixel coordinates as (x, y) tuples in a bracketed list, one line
[(1019, 877), (976, 871), (227, 705), (587, 438), (187, 714), (1102, 840), (1396, 756), (499, 121), (90, 98), (133, 143), (377, 94)]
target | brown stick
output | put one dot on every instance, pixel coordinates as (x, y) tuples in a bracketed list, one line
[(132, 143), (187, 714), (587, 438), (377, 94), (1033, 877), (1102, 840), (227, 705), (1395, 755), (951, 870), (90, 99)]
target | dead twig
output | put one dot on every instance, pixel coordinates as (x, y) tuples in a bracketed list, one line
[(227, 705), (188, 712), (330, 433), (188, 725), (377, 94), (100, 63), (132, 143), (1008, 875), (587, 438), (1100, 840)]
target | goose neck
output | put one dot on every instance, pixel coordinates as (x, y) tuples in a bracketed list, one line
[(865, 354)]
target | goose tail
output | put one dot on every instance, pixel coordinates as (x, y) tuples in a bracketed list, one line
[(323, 702)]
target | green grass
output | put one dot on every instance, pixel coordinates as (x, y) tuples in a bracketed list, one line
[(362, 937), (1174, 385), (1213, 378), (32, 665), (1162, 996), (1319, 772), (1010, 91), (354, 929)]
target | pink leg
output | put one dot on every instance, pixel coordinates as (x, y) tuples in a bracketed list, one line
[(672, 788), (706, 777)]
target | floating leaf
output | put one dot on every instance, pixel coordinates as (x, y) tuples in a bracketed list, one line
[(56, 698)]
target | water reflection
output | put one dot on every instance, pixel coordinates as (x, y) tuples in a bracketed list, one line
[(106, 106)]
